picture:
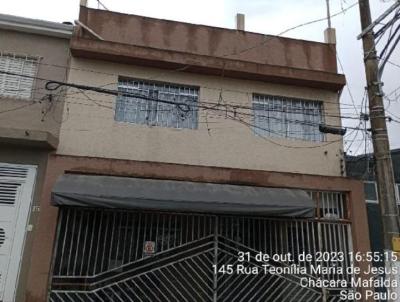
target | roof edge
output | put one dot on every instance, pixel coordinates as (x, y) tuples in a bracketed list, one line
[(275, 36), (198, 63), (35, 26)]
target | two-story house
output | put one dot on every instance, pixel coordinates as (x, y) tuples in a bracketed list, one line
[(30, 120), (183, 147)]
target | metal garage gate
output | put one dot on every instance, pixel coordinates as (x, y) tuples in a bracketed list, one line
[(113, 255)]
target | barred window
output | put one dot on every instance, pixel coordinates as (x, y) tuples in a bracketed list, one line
[(137, 110), (277, 116), (16, 86)]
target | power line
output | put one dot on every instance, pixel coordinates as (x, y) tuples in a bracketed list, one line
[(393, 91), (290, 29), (391, 36), (249, 125), (215, 106), (182, 106), (178, 104), (18, 107), (155, 77), (239, 106), (233, 106), (30, 102), (218, 108), (36, 102), (396, 116), (347, 84), (223, 113), (185, 107), (394, 64), (354, 138), (99, 3)]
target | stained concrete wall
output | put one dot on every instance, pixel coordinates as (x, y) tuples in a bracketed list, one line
[(209, 41), (89, 128)]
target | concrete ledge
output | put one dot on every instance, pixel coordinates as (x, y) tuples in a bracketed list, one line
[(28, 138), (168, 59)]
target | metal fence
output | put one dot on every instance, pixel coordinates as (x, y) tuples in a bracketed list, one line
[(113, 255)]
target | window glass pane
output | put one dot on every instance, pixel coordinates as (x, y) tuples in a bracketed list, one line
[(154, 104), (398, 192), (370, 191), (16, 86), (278, 116)]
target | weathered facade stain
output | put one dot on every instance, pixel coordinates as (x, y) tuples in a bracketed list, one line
[(167, 31), (214, 42), (200, 42), (190, 38), (307, 52), (288, 55), (146, 28)]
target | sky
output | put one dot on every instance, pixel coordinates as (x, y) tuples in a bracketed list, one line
[(267, 17)]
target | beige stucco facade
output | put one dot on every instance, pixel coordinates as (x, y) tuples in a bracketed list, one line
[(36, 113), (89, 128)]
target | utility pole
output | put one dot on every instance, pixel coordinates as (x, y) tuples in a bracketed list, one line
[(380, 139)]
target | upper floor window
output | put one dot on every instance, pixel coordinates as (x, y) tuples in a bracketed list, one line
[(17, 86), (279, 116), (370, 191), (155, 112)]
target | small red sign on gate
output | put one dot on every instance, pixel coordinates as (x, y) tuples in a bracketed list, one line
[(149, 247)]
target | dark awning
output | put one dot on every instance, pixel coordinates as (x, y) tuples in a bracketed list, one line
[(182, 196)]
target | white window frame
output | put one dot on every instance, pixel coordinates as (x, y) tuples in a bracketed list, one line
[(397, 192), (157, 112), (35, 60), (288, 122), (376, 191)]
